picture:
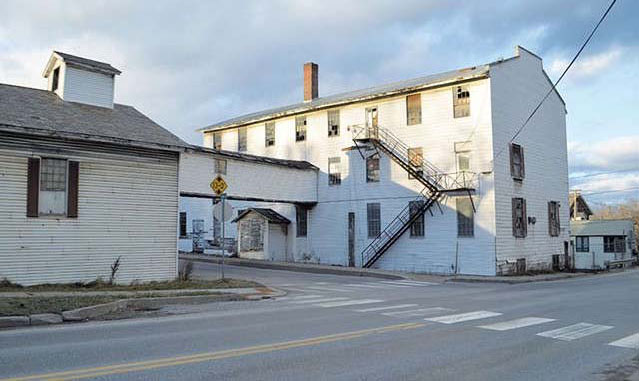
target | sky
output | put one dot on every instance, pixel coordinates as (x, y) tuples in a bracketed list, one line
[(188, 64)]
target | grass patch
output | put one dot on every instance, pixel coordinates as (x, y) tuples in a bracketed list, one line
[(98, 285), (38, 305)]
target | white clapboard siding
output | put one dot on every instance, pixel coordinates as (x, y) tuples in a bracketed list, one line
[(126, 207), (88, 87)]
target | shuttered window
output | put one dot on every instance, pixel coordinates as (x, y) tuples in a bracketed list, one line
[(334, 171), (333, 123), (52, 187), (582, 244), (553, 218), (217, 140), (517, 170), (415, 210), (242, 139), (413, 109), (182, 224), (465, 217), (301, 219), (300, 128), (269, 132), (520, 223), (461, 101), (372, 169), (373, 217)]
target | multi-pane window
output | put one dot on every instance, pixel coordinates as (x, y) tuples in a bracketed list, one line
[(374, 220), (517, 170), (242, 139), (333, 123), (553, 218), (217, 140), (614, 244), (582, 244), (520, 223), (182, 224), (53, 187), (416, 211), (416, 160), (334, 171), (301, 220), (461, 101), (300, 128), (465, 217), (269, 133), (372, 169), (220, 166), (413, 109)]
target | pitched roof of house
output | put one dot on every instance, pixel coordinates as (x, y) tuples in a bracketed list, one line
[(299, 164), (601, 227), (39, 112), (86, 63), (582, 205), (270, 215)]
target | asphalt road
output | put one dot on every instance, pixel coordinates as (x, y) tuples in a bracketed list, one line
[(333, 327)]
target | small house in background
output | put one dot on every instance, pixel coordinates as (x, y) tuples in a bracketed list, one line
[(262, 234), (598, 244), (84, 181)]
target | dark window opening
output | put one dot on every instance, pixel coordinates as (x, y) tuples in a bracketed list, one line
[(182, 224), (301, 219)]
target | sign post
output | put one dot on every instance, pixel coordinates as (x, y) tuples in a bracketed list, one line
[(218, 185)]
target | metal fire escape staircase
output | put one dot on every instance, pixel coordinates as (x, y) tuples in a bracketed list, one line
[(436, 185)]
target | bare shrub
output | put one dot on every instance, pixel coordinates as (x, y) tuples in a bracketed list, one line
[(114, 270)]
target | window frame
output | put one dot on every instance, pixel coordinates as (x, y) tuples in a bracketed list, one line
[(414, 113), (269, 134), (461, 101), (465, 224), (217, 141), (373, 219), (418, 227), (41, 191), (517, 170), (417, 153), (301, 221), (221, 166), (373, 175), (554, 221), (242, 137), (182, 223), (521, 232), (333, 129), (582, 244), (301, 123), (335, 178)]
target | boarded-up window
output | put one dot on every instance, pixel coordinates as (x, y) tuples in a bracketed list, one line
[(461, 101), (517, 170), (182, 224), (553, 218), (269, 133), (300, 128), (334, 171), (373, 218), (520, 223), (217, 140), (413, 109), (333, 123), (582, 244), (220, 166), (416, 160), (301, 220), (415, 208), (465, 217), (53, 187), (242, 139), (252, 233), (372, 169)]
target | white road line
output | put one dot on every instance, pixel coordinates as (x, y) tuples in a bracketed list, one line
[(517, 323), (300, 297), (419, 312), (412, 283), (363, 285), (349, 303), (317, 300), (386, 308), (575, 331), (458, 318), (318, 288), (631, 342), (387, 284)]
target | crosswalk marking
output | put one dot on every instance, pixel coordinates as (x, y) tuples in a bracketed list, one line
[(308, 301), (349, 302), (411, 283), (517, 323), (631, 342), (364, 285), (386, 308), (575, 331), (393, 284), (458, 318), (299, 297), (322, 288), (419, 312)]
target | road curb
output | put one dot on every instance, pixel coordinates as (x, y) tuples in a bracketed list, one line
[(297, 267)]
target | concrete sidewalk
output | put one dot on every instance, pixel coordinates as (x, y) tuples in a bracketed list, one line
[(356, 271)]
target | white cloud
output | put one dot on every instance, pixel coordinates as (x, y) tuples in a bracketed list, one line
[(587, 66), (621, 153)]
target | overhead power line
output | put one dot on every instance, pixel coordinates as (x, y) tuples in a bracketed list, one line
[(554, 86), (604, 173), (610, 191)]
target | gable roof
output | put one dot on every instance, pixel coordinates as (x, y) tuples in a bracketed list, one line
[(582, 205), (85, 63), (270, 215), (39, 112), (240, 156)]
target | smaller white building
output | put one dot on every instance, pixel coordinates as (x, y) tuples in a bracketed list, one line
[(262, 234), (599, 243)]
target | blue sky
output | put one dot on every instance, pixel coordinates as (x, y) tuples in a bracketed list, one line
[(188, 64)]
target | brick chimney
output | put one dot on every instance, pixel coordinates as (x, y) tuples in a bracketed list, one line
[(311, 82)]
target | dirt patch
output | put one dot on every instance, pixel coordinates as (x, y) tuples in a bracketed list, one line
[(38, 305)]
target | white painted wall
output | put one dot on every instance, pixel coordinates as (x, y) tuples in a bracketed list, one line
[(127, 207), (88, 87)]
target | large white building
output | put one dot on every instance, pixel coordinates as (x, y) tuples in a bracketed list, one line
[(424, 175)]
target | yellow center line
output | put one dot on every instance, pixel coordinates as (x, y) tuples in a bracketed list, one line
[(209, 356)]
